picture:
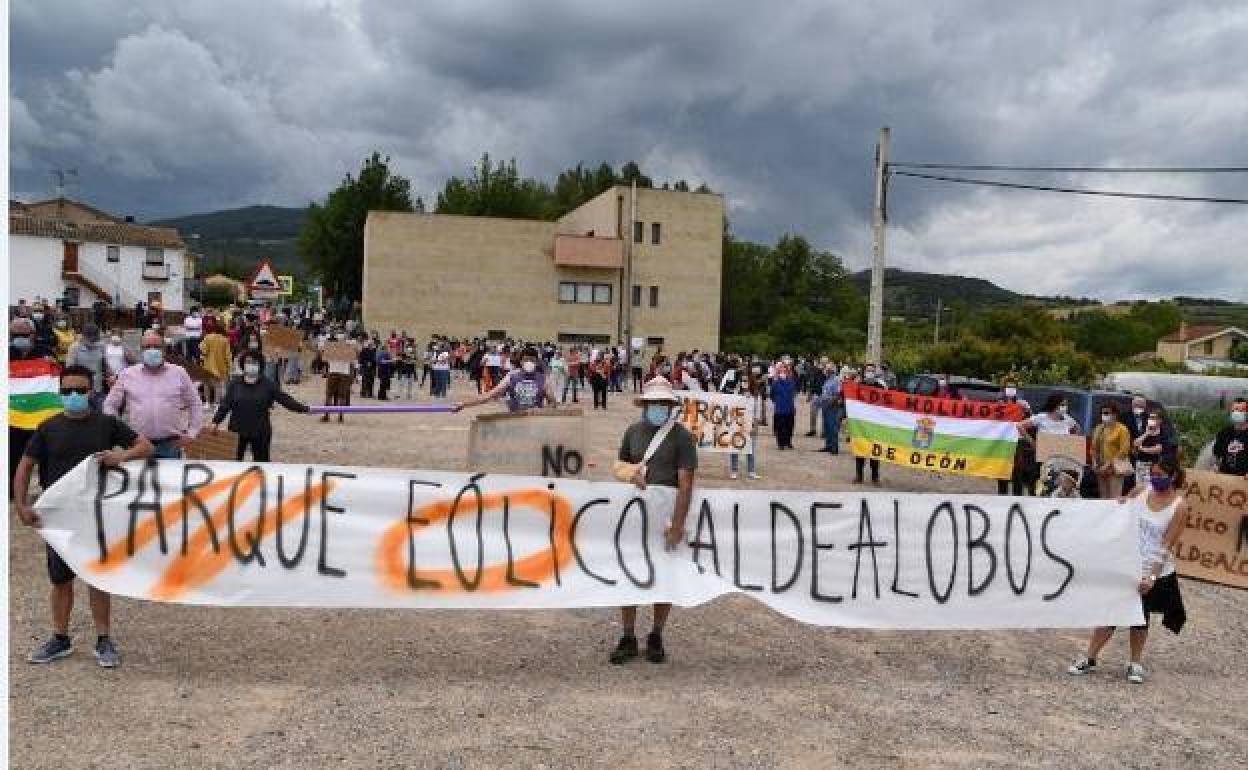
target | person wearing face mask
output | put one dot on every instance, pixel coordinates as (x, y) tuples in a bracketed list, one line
[(831, 405), (25, 409), (1160, 514), (159, 400), (64, 337), (57, 446), (194, 326), (1025, 473), (1230, 446), (89, 352), (248, 401), (116, 358), (1111, 452), (1150, 446), (784, 403), (656, 451), (525, 388)]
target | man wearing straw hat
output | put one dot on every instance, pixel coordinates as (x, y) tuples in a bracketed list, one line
[(656, 450)]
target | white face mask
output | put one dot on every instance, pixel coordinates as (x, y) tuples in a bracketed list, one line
[(251, 371), (529, 366), (1138, 411), (1061, 410), (1011, 392)]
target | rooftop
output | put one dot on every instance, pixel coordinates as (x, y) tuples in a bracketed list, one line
[(85, 223)]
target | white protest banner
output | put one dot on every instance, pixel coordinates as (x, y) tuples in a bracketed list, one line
[(719, 422), (232, 534)]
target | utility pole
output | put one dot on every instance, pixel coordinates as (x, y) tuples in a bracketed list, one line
[(939, 310), (879, 220)]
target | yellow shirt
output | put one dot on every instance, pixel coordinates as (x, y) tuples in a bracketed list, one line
[(1110, 442), (215, 349), (64, 338)]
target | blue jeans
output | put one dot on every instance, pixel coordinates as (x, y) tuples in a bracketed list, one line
[(832, 428), (733, 462), (167, 450)]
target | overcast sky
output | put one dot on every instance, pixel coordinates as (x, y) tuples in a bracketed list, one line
[(171, 107)]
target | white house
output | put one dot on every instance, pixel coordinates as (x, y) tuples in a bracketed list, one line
[(66, 249)]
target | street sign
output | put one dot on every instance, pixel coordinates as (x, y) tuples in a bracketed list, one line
[(264, 283), (287, 282)]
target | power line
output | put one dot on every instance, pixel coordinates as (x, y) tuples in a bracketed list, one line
[(1083, 169), (1072, 190)]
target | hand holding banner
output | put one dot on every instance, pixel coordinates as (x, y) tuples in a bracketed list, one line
[(233, 534)]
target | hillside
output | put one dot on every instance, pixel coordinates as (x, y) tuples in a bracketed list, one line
[(914, 294), (235, 240)]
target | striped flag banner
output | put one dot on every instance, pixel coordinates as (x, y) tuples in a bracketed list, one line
[(34, 392), (941, 435)]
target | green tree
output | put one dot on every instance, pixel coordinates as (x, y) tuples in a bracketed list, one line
[(496, 190), (331, 242)]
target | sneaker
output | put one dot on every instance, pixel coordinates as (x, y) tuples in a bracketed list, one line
[(625, 651), (53, 649), (654, 648), (106, 653), (1135, 673), (754, 476), (1081, 666), (733, 475)]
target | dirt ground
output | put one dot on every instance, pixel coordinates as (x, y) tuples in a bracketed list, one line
[(745, 687)]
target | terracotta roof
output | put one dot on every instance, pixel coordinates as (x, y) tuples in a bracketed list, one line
[(72, 210), (95, 232), (1197, 331)]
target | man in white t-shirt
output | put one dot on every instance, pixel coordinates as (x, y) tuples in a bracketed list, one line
[(193, 325)]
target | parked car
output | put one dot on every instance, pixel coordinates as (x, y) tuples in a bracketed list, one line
[(965, 387)]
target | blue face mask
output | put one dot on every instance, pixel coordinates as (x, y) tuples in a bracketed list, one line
[(1161, 484), (657, 414), (1239, 418), (21, 344), (75, 403), (153, 357)]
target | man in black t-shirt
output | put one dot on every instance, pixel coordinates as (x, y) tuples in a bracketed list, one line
[(672, 464), (1230, 447), (56, 448)]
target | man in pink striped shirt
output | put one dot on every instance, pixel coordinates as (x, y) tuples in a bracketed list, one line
[(159, 400)]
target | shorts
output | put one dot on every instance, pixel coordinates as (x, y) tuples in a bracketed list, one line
[(58, 571), (1165, 599), (338, 388)]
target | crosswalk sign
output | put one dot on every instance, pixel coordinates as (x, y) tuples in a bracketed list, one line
[(264, 283)]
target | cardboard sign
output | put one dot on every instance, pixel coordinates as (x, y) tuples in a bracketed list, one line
[(390, 537), (1059, 445), (343, 352), (719, 422), (282, 339), (1214, 544), (209, 446), (540, 442)]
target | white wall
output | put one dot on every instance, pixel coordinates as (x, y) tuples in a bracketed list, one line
[(35, 269)]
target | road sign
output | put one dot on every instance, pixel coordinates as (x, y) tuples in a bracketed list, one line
[(264, 283), (287, 283)]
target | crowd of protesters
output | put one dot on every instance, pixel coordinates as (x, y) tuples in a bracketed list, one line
[(1134, 457)]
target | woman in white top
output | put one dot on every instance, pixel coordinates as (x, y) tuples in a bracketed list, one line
[(1160, 514), (1053, 418)]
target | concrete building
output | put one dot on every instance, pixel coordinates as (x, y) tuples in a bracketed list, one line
[(64, 249), (601, 274)]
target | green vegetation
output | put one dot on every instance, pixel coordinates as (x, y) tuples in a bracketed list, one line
[(332, 239), (1196, 427), (497, 190)]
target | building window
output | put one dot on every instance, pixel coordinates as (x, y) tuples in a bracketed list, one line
[(496, 334), (654, 232), (585, 293), (114, 253), (656, 341), (155, 256), (636, 295), (1209, 347), (639, 229), (654, 296)]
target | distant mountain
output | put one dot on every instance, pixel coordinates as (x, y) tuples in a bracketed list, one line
[(234, 241), (914, 294)]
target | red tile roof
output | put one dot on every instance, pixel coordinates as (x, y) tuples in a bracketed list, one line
[(1196, 331), (95, 232)]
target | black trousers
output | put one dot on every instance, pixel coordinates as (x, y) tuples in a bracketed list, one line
[(637, 379), (599, 384), (367, 377), (783, 429), (860, 463), (259, 447), (18, 439)]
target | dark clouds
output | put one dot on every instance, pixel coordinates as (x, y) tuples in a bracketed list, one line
[(171, 108)]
